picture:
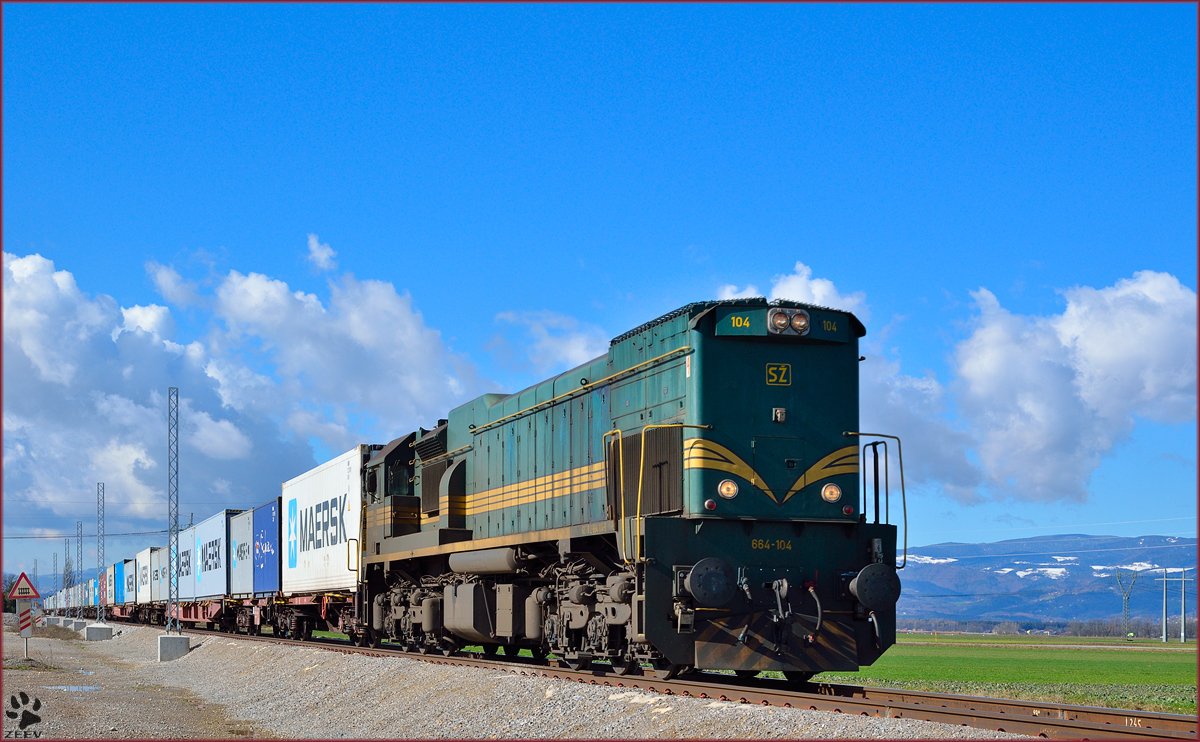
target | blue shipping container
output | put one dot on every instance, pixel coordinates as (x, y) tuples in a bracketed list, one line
[(267, 569), (119, 583)]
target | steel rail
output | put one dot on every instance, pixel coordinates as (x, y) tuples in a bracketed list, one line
[(1048, 720)]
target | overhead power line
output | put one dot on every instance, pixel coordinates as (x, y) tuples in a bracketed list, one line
[(92, 535)]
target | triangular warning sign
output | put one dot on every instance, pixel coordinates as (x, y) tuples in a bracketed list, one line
[(23, 589)]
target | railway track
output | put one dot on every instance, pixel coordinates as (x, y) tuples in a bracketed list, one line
[(1048, 720)]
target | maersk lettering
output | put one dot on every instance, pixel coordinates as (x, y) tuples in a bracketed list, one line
[(210, 556), (185, 563), (323, 524)]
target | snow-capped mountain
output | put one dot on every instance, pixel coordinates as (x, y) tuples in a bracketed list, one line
[(1048, 578)]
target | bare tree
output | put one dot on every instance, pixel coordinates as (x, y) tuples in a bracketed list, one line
[(10, 579)]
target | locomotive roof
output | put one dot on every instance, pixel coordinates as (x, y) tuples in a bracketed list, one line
[(754, 301)]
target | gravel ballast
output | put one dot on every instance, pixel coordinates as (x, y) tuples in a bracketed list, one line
[(227, 687)]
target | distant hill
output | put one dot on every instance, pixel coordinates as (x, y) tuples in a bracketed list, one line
[(1070, 577)]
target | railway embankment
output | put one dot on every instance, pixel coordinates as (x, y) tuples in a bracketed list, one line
[(230, 688)]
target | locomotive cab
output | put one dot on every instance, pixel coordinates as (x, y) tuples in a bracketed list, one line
[(771, 564)]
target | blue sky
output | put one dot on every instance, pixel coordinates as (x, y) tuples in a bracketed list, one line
[(330, 223)]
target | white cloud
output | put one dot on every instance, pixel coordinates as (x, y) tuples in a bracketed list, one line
[(171, 285), (914, 408), (729, 291), (321, 255), (84, 404), (368, 352), (1048, 397), (1133, 346), (801, 286), (154, 319), (217, 439), (48, 319), (556, 342)]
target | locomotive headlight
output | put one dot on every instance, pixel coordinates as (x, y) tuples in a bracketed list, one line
[(779, 320), (800, 322), (831, 493), (727, 489)]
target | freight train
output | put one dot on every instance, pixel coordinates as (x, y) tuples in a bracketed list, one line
[(693, 499)]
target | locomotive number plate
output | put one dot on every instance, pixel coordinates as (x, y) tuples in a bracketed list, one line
[(776, 544), (779, 374)]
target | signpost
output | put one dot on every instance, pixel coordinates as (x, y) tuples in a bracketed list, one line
[(24, 593)]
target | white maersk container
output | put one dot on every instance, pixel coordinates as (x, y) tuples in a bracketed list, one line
[(241, 554), (212, 550), (157, 568), (130, 576), (322, 509), (143, 572), (187, 565), (110, 586)]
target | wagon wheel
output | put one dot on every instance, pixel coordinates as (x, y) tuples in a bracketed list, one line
[(578, 663), (624, 665), (664, 669)]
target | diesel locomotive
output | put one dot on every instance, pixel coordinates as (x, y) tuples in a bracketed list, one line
[(689, 500), (693, 499)]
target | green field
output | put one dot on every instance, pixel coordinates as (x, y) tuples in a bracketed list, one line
[(1144, 675)]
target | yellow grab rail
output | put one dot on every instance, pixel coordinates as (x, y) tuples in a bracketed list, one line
[(619, 485)]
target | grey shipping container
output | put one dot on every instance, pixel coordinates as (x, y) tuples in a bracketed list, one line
[(158, 570), (144, 582), (187, 565), (129, 594), (212, 547), (241, 554)]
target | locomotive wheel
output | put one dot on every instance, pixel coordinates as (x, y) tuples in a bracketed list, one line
[(491, 649), (424, 649), (624, 665), (665, 670), (746, 673), (577, 663), (539, 653), (510, 650), (797, 676)]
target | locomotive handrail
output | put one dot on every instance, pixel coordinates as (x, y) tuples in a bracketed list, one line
[(582, 387), (903, 497), (641, 471), (620, 485)]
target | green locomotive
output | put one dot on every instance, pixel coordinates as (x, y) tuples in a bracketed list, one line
[(689, 500)]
